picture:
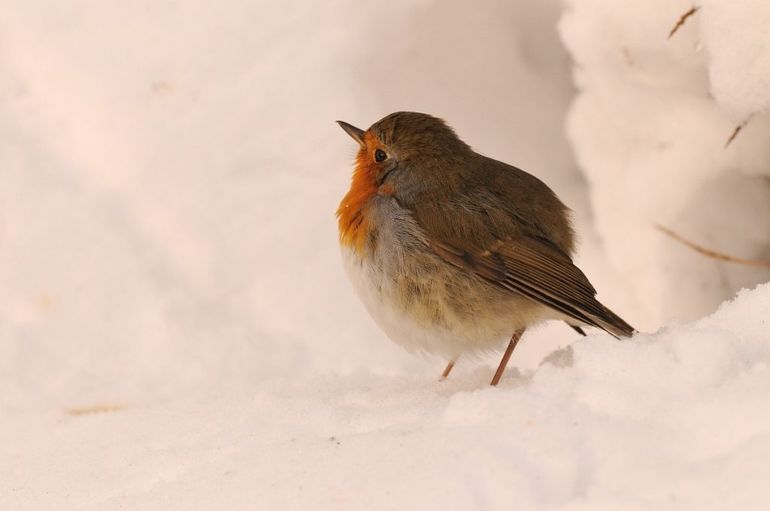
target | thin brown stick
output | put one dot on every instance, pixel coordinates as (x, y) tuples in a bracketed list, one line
[(448, 369), (93, 409), (734, 134), (506, 356), (712, 253), (682, 19), (737, 130)]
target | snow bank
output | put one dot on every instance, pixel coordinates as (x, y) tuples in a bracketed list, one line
[(649, 128), (675, 420)]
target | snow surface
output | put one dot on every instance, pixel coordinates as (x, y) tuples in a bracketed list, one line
[(678, 420), (176, 330)]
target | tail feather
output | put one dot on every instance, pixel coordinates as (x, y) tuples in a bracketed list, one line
[(610, 322)]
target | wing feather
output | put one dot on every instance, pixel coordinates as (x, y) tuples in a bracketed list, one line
[(535, 269)]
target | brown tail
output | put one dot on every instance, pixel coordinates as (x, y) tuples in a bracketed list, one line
[(609, 321)]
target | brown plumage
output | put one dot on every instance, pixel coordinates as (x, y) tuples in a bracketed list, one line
[(453, 252)]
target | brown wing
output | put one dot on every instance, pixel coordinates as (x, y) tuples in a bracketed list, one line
[(540, 271), (506, 226)]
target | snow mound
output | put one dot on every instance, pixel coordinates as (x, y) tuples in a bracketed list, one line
[(649, 128), (673, 420), (735, 36)]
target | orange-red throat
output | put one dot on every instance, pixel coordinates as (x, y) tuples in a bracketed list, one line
[(352, 218)]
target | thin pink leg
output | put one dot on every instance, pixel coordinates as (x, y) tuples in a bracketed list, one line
[(506, 356)]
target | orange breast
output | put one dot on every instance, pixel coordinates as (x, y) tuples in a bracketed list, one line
[(352, 219)]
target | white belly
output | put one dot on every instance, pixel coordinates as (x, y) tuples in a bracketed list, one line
[(415, 324)]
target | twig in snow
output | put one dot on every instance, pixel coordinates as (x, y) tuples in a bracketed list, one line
[(682, 19), (712, 253), (89, 410), (736, 131)]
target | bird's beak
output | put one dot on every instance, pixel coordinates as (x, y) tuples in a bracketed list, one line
[(356, 133)]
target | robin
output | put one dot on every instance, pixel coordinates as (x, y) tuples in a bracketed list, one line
[(453, 252)]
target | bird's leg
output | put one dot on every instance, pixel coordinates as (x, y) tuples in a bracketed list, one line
[(504, 362), (448, 369)]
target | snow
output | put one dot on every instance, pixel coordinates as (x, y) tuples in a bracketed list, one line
[(738, 56), (676, 420), (649, 128), (176, 329)]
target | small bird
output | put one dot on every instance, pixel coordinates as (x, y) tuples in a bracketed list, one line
[(453, 252)]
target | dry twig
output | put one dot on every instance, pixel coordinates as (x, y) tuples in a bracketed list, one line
[(89, 410), (737, 130), (712, 253), (735, 133), (682, 19)]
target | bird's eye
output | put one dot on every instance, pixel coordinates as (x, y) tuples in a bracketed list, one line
[(380, 156)]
